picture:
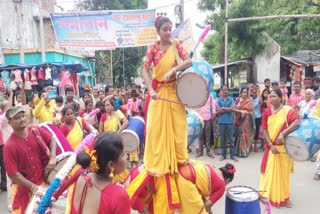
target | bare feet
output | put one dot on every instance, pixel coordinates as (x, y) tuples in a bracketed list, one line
[(288, 204), (210, 154), (222, 158), (235, 159)]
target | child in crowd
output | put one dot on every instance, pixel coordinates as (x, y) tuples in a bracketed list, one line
[(134, 158), (284, 90), (93, 119), (261, 135), (58, 107)]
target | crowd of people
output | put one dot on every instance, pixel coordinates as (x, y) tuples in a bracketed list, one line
[(27, 149), (164, 180)]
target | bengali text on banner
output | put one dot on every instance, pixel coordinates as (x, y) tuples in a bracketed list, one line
[(105, 30)]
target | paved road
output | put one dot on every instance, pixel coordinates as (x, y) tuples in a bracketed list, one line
[(305, 191)]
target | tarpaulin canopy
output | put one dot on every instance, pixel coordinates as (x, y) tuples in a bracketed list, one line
[(304, 57)]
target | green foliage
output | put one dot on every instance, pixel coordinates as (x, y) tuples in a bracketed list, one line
[(132, 56), (246, 39)]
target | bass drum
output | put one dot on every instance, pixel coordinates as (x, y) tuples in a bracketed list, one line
[(194, 84), (303, 143), (195, 126)]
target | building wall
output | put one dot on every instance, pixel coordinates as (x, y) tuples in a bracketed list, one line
[(267, 63), (30, 35)]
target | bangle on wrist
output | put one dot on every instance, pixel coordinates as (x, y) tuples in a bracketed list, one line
[(175, 70), (152, 92)]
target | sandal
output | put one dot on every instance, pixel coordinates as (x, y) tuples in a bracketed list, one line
[(316, 177)]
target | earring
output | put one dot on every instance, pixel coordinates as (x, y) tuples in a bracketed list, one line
[(111, 173)]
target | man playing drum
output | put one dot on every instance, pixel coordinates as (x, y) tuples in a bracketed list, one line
[(29, 154)]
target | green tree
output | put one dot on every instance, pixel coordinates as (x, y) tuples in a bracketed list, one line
[(246, 39), (130, 57)]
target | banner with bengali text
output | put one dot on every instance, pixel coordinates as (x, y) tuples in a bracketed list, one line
[(104, 30)]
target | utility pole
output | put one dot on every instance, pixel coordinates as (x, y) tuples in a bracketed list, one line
[(124, 78), (182, 11), (111, 68), (226, 82), (42, 36)]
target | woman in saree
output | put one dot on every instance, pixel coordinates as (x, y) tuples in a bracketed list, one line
[(244, 123), (73, 127), (277, 122), (112, 121), (209, 180), (166, 131), (94, 191)]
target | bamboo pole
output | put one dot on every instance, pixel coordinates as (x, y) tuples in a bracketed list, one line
[(254, 18), (226, 47)]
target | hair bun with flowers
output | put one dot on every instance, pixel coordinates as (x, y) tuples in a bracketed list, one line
[(230, 168), (157, 21), (93, 157)]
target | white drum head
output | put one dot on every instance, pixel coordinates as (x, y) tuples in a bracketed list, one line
[(61, 160), (192, 90), (242, 194), (130, 140), (296, 148)]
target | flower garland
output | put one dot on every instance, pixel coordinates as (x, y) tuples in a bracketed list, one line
[(93, 156)]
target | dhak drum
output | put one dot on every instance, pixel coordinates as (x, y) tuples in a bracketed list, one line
[(61, 160), (195, 126), (133, 135), (57, 207), (62, 143), (303, 143), (194, 84), (242, 200)]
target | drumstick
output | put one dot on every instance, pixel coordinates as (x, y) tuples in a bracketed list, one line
[(172, 101), (242, 192)]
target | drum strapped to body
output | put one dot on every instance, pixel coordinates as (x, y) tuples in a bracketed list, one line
[(194, 84), (304, 142), (195, 126), (61, 160), (62, 143), (58, 207), (133, 135)]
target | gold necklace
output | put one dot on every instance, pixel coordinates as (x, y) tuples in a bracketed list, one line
[(273, 111)]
